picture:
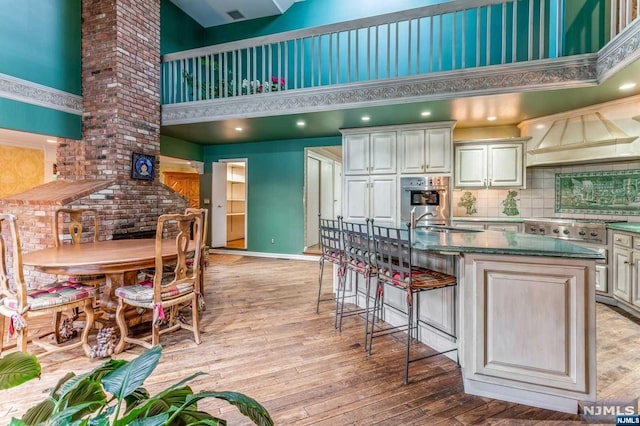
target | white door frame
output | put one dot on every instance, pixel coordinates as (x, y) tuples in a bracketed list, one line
[(246, 193)]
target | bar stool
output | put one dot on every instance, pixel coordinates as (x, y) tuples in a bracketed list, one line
[(331, 251), (358, 252), (394, 260)]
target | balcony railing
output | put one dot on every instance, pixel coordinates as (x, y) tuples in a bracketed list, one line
[(443, 37)]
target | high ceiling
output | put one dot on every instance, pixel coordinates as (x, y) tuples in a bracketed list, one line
[(209, 13)]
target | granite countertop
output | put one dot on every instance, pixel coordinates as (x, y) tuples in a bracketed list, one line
[(625, 226), (497, 242), (487, 219)]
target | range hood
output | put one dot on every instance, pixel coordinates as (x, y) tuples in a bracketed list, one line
[(584, 131), (608, 132)]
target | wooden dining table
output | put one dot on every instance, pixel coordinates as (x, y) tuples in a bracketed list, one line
[(118, 260)]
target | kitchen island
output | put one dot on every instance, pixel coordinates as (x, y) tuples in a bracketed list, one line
[(524, 314)]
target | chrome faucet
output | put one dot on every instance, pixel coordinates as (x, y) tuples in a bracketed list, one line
[(413, 220)]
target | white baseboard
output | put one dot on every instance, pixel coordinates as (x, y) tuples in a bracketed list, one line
[(269, 255), (521, 396)]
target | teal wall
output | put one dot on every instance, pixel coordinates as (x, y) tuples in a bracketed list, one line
[(586, 23), (309, 13), (275, 178), (178, 31), (40, 41), (35, 119), (178, 148)]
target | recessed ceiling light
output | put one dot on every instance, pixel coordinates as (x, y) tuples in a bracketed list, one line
[(492, 118), (540, 126), (425, 113), (238, 129), (627, 86), (366, 118), (300, 123), (52, 141)]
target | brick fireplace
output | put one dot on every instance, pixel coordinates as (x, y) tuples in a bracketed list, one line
[(121, 115)]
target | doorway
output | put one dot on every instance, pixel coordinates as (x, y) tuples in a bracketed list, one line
[(229, 204), (323, 190)]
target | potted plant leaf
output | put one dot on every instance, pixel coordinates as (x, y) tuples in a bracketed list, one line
[(112, 395)]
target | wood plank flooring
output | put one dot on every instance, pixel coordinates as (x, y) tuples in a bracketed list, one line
[(261, 336)]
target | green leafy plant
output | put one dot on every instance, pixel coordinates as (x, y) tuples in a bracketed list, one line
[(112, 394), (17, 368)]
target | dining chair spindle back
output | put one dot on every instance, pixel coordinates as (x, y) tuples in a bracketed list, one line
[(18, 303), (74, 226), (166, 290)]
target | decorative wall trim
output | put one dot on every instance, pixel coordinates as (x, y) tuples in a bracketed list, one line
[(36, 94), (602, 192), (619, 52), (525, 76)]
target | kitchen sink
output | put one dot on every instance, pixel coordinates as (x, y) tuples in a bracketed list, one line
[(448, 230)]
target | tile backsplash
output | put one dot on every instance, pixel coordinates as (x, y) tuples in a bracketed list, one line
[(539, 197)]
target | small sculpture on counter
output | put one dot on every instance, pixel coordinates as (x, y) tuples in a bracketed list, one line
[(511, 204), (468, 201)]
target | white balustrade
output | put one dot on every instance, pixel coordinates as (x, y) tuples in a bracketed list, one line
[(438, 38)]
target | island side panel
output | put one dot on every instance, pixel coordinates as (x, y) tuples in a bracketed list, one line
[(528, 329)]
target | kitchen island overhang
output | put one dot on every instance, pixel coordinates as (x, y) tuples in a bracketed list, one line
[(524, 314)]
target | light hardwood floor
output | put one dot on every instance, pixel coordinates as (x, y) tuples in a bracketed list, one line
[(261, 336)]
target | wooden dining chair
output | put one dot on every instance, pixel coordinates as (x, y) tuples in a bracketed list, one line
[(18, 303), (166, 291), (74, 226), (204, 255)]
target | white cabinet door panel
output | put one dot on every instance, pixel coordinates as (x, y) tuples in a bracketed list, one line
[(383, 199), (356, 154), (412, 151), (622, 274), (383, 153), (438, 150), (471, 166), (505, 165), (356, 198)]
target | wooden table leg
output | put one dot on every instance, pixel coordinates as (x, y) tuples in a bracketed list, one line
[(109, 301)]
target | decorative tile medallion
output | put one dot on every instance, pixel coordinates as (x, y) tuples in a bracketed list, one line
[(468, 201), (616, 192), (510, 204)]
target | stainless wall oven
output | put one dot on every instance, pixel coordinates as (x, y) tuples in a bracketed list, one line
[(428, 197)]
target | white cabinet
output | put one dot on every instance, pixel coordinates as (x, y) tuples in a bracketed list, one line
[(370, 153), (626, 261), (371, 197), (489, 165), (425, 150)]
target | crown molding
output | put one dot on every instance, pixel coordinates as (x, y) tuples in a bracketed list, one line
[(557, 73), (36, 94), (623, 50)]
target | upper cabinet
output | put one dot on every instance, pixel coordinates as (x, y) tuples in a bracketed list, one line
[(425, 150), (370, 153), (490, 165)]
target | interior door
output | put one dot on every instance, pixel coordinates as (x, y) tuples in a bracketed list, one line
[(219, 205), (337, 189), (326, 190), (313, 200)]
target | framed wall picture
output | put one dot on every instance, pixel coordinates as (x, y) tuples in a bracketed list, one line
[(142, 166)]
